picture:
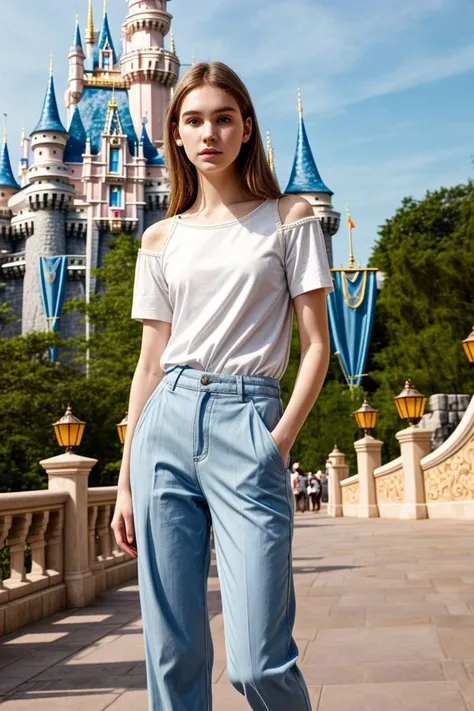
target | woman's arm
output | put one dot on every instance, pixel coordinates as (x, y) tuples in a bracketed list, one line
[(311, 314), (148, 375)]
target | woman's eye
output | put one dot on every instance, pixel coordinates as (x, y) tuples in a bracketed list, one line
[(226, 118), (190, 121)]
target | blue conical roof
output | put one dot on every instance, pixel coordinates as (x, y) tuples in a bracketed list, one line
[(50, 119), (105, 37), (149, 150), (77, 42), (305, 177), (76, 145), (7, 179)]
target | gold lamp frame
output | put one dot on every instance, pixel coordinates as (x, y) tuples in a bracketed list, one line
[(468, 345), (410, 404), (69, 430), (122, 429), (366, 417)]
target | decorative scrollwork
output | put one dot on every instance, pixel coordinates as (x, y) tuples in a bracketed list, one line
[(350, 493), (453, 480), (390, 488)]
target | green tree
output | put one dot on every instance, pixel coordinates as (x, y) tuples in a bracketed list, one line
[(424, 310), (33, 394)]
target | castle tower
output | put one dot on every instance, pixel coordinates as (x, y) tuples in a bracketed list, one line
[(8, 188), (305, 180), (76, 71), (149, 70), (48, 195)]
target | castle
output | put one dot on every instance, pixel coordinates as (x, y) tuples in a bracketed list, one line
[(80, 186)]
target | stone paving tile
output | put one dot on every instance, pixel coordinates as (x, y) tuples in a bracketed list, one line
[(408, 696), (385, 618)]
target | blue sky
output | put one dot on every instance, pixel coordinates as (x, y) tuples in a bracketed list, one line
[(387, 86)]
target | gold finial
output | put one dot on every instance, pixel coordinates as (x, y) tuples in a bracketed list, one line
[(113, 101), (194, 59), (270, 153), (5, 129), (350, 225), (51, 64), (105, 7), (90, 34), (22, 139), (172, 44), (300, 103)]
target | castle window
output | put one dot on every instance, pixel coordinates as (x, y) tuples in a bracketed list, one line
[(115, 156), (115, 196)]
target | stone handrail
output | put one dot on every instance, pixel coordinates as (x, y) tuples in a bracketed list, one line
[(74, 556), (418, 484)]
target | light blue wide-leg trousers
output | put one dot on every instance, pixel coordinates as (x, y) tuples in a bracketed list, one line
[(202, 455)]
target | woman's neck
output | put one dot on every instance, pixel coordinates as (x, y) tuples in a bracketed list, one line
[(218, 192)]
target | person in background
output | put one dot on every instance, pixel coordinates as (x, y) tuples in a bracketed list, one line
[(301, 495), (315, 490)]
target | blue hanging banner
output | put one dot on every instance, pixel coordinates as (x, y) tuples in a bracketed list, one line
[(351, 315), (53, 273)]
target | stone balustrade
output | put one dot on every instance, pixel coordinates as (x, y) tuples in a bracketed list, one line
[(418, 484), (64, 532)]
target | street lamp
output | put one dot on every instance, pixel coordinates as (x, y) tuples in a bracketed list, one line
[(468, 345), (69, 430), (366, 417), (122, 429), (410, 404)]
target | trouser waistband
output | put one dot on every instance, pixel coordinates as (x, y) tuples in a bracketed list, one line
[(186, 377)]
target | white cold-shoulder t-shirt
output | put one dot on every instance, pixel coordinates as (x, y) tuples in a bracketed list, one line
[(227, 290)]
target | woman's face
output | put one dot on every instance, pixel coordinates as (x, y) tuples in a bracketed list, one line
[(210, 120)]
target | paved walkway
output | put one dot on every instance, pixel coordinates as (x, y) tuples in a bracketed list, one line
[(385, 621)]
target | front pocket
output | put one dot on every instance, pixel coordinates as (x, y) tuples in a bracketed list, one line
[(146, 407), (272, 445)]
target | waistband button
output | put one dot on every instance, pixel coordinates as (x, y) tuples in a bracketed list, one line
[(205, 380)]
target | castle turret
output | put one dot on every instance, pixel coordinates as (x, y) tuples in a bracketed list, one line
[(76, 71), (8, 188), (306, 180), (48, 195), (148, 68)]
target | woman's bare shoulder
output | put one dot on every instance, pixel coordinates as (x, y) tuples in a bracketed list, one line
[(293, 208), (155, 236)]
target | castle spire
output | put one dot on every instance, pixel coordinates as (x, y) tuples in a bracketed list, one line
[(305, 176), (50, 119), (90, 32), (77, 43), (7, 179), (105, 38)]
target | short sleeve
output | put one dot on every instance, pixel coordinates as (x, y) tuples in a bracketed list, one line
[(150, 291), (306, 260)]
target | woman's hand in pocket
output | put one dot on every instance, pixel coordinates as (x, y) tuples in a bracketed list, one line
[(283, 446)]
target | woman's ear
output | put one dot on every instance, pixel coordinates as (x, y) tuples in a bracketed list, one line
[(247, 130), (174, 129)]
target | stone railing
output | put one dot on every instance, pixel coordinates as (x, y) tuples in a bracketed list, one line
[(65, 532), (418, 484)]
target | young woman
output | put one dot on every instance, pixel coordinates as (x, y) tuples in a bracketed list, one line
[(207, 441)]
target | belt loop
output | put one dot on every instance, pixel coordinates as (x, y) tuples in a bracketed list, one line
[(178, 375), (240, 387)]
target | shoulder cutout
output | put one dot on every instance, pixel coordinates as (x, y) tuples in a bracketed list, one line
[(155, 236), (293, 208)]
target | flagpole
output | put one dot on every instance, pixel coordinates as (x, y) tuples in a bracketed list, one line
[(350, 226)]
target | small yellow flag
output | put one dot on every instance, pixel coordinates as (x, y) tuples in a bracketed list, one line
[(350, 222)]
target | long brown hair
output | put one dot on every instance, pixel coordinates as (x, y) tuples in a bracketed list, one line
[(254, 169)]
